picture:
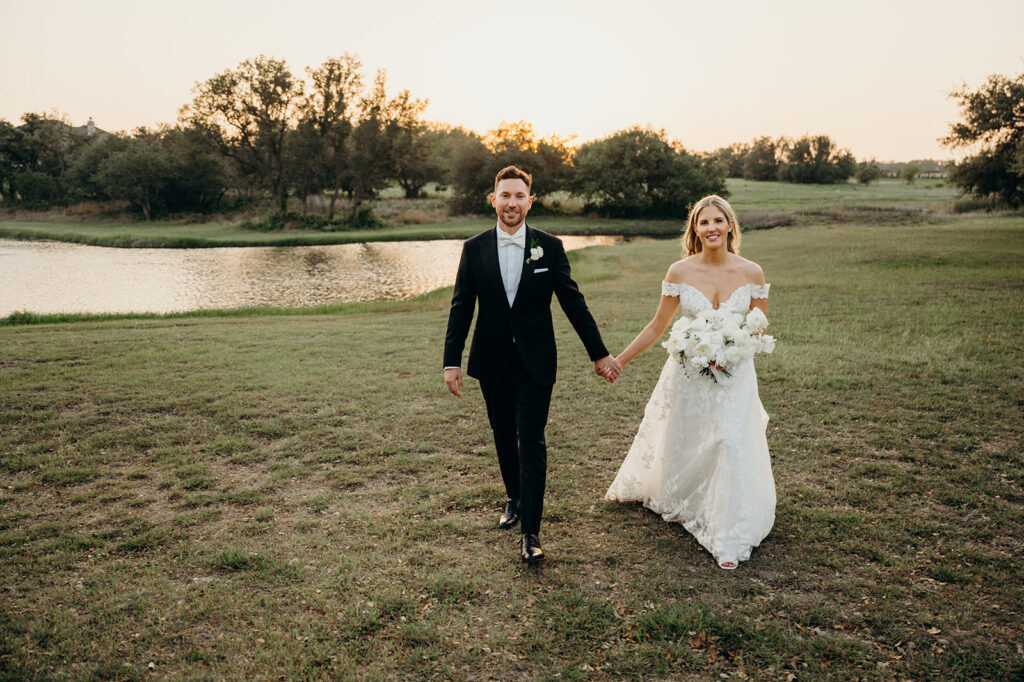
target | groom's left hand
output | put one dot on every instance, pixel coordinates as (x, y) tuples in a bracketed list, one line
[(608, 367)]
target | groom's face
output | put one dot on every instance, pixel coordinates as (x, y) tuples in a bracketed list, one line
[(511, 201)]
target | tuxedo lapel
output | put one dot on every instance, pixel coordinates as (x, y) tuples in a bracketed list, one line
[(489, 257)]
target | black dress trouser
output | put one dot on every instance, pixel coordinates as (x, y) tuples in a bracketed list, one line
[(517, 408)]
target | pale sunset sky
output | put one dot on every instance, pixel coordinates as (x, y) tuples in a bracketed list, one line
[(873, 74)]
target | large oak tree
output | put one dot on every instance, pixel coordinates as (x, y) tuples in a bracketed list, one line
[(993, 124), (248, 112)]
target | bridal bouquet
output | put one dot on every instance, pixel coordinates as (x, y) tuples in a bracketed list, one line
[(715, 340)]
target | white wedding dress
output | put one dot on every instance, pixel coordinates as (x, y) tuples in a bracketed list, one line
[(700, 456)]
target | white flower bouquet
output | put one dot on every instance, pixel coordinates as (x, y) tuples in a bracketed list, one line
[(716, 340)]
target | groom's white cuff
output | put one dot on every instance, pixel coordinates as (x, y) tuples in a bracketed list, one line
[(453, 367)]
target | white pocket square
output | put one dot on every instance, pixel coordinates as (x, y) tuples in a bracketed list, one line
[(540, 270)]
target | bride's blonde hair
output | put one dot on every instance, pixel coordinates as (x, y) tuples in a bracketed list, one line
[(692, 245)]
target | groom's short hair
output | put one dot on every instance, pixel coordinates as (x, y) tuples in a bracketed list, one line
[(512, 173)]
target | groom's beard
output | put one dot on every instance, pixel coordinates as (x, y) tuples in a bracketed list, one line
[(511, 219)]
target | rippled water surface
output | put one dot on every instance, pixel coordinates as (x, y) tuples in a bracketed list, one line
[(55, 277)]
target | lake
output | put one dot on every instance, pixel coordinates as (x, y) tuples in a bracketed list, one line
[(57, 277)]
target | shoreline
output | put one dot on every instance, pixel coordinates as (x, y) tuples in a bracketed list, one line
[(199, 236), (759, 205)]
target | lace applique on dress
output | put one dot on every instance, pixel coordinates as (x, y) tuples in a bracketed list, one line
[(671, 289), (692, 300), (756, 290), (759, 290)]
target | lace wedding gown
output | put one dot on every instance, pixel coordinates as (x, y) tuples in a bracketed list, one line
[(700, 456)]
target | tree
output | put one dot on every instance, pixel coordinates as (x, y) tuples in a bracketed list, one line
[(993, 123), (511, 138), (868, 172), (761, 162), (547, 159), (36, 189), (733, 158), (136, 173), (471, 170), (910, 173), (417, 159), (307, 161), (199, 177), (14, 158), (330, 107), (247, 112), (83, 173), (375, 141), (818, 160), (52, 142), (44, 146), (639, 172)]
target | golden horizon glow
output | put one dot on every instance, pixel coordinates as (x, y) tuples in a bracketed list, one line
[(874, 76)]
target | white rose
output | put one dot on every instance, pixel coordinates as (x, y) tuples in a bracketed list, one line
[(536, 253), (747, 343), (733, 355), (681, 324), (756, 320)]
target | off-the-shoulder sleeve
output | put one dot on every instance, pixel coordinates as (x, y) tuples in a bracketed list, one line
[(759, 290), (671, 289)]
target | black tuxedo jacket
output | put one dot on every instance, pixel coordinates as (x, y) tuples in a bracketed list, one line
[(524, 328)]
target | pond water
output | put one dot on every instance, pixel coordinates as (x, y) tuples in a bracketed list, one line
[(57, 277)]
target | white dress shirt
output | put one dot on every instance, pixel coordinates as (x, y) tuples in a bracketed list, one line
[(510, 260)]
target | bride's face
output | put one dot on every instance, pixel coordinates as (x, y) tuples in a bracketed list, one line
[(712, 228)]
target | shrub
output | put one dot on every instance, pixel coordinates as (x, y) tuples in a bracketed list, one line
[(638, 172), (868, 172)]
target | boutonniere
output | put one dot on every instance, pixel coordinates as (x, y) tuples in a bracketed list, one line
[(536, 252)]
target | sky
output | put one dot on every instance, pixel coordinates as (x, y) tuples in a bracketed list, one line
[(874, 75)]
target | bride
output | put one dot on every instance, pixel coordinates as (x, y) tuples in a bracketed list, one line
[(700, 456)]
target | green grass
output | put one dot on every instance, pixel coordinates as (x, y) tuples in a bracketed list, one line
[(923, 195), (295, 496), (758, 203)]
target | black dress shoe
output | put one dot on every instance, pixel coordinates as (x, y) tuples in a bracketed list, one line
[(510, 516), (532, 552)]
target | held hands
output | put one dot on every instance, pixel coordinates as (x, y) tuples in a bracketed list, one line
[(453, 380), (609, 368)]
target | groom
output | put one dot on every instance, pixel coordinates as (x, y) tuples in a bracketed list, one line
[(512, 271)]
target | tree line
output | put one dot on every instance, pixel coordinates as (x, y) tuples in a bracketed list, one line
[(258, 132)]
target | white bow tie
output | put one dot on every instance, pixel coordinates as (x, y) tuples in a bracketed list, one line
[(517, 239)]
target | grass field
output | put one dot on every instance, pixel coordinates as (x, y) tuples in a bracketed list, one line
[(297, 497), (924, 195), (758, 203)]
